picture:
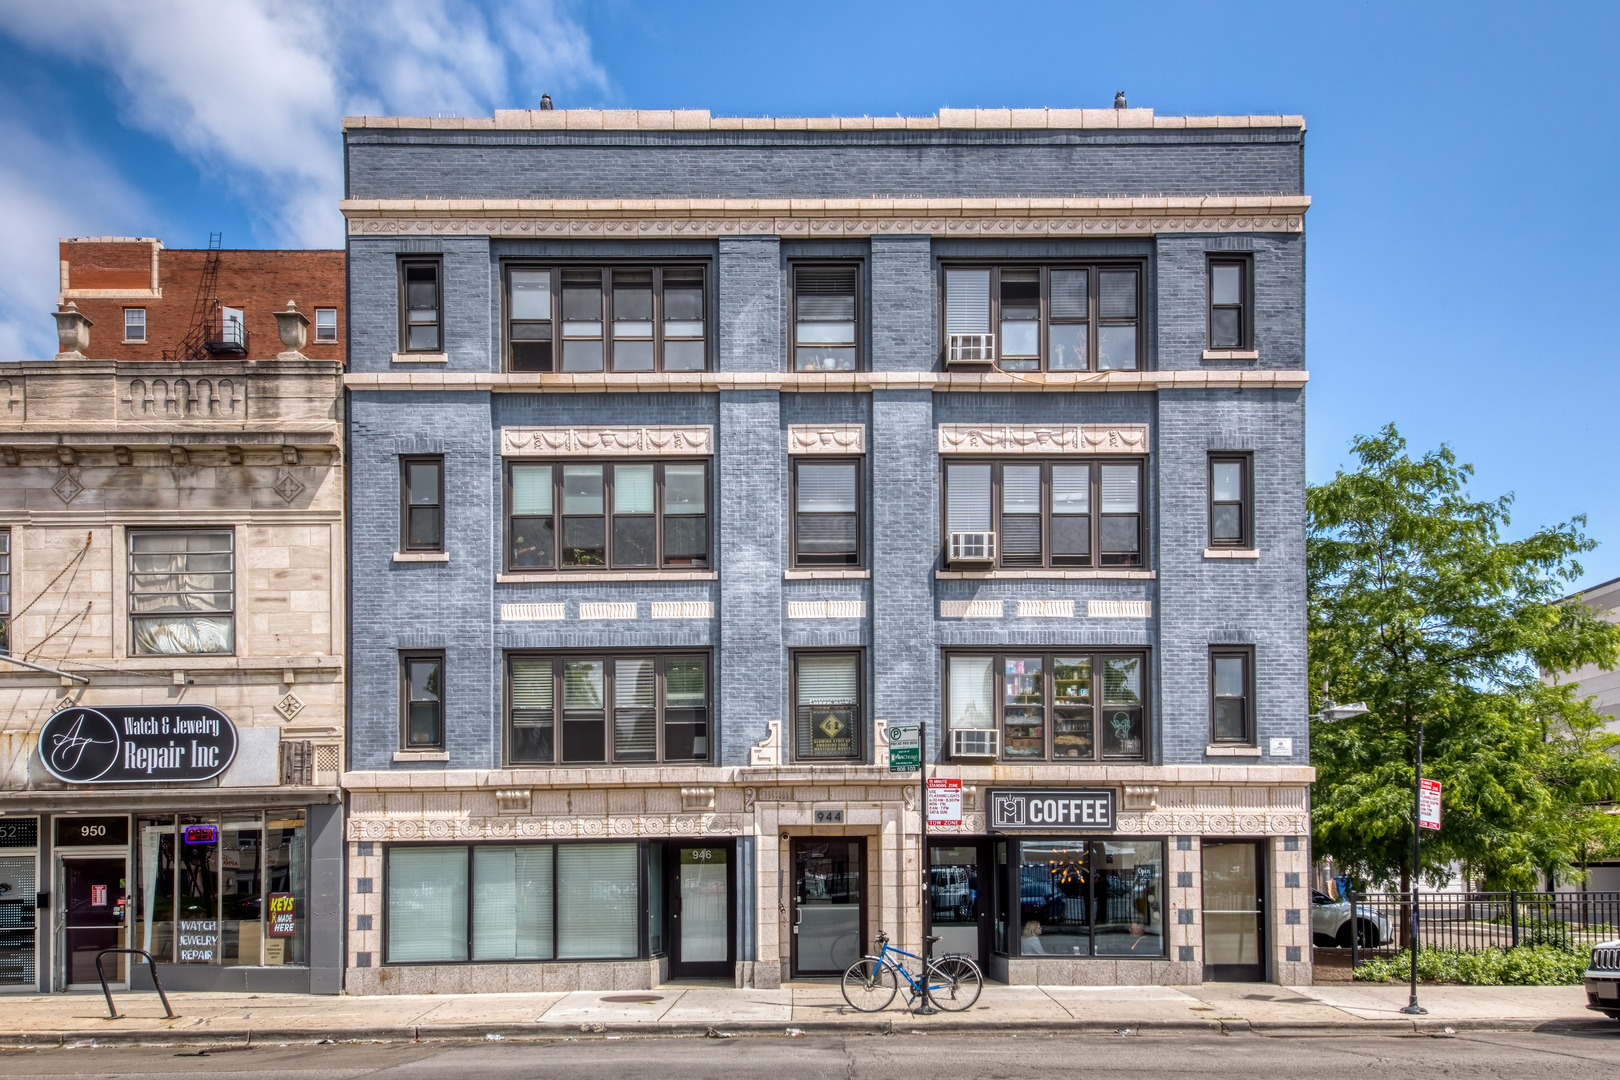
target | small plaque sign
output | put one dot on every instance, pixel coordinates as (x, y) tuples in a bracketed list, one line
[(829, 817), (283, 915)]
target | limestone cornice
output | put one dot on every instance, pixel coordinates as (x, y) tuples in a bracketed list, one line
[(688, 218), (826, 382)]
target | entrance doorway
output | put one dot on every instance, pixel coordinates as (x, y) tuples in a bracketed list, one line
[(829, 903), (958, 908), (1234, 912), (18, 903), (94, 892), (700, 911)]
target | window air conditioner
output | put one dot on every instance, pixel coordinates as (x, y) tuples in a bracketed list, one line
[(971, 349), (973, 547), (975, 742)]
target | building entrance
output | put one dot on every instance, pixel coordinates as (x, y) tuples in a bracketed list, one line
[(959, 908), (700, 892), (94, 890), (829, 904), (1234, 913)]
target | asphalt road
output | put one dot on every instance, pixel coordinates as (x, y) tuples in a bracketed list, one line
[(1525, 1056)]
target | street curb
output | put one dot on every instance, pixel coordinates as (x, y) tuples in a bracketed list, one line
[(877, 1025)]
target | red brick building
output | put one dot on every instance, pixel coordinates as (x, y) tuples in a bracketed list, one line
[(152, 303)]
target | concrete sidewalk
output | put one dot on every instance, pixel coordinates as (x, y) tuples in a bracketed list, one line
[(682, 1010)]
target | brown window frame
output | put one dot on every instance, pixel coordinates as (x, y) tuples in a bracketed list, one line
[(795, 267), (1093, 560), (406, 659), (406, 265), (796, 559), (1094, 319), (406, 505), (1246, 654), (1097, 658), (792, 736), (661, 563), (557, 267), (610, 659), (1245, 461), (1245, 304)]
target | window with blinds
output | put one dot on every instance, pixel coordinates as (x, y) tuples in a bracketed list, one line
[(596, 516), (1044, 318), (427, 904), (826, 321), (629, 319), (634, 708), (182, 592), (827, 705), (1056, 513), (1065, 705), (826, 518)]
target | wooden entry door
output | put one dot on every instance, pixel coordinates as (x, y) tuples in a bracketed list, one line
[(1234, 912), (829, 903)]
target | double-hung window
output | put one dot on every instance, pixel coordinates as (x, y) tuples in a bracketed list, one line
[(134, 324), (422, 700), (1230, 308), (182, 592), (1231, 518), (1231, 696), (630, 708), (606, 318), (1055, 513), (1045, 318), (421, 298), (826, 512), (326, 325), (826, 318), (422, 493), (1067, 705), (624, 515), (827, 705)]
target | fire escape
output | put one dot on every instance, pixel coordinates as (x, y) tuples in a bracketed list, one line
[(215, 330)]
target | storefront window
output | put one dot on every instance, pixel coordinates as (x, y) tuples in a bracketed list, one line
[(598, 901), (512, 903), (155, 931), (286, 889), (427, 903), (1085, 898), (241, 889), (198, 891)]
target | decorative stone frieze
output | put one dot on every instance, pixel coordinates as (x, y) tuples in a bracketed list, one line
[(769, 750), (1046, 609), (683, 609), (826, 609), (607, 441), (1043, 438), (1119, 609), (971, 609), (531, 612), (827, 439), (204, 398), (607, 609)]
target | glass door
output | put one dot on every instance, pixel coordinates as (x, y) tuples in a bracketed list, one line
[(829, 904), (93, 917), (700, 912), (1234, 913), (17, 921), (957, 907)]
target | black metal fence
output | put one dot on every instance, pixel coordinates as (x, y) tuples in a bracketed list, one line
[(1472, 922)]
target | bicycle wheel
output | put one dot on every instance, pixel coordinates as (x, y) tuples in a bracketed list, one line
[(954, 983), (869, 985)]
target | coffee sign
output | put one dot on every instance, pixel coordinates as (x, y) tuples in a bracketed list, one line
[(1062, 810), (137, 745)]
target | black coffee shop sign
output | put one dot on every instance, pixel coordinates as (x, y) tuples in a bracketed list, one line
[(140, 744)]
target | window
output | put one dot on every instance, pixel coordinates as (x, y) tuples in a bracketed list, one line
[(826, 319), (182, 592), (1231, 696), (827, 705), (326, 324), (611, 318), (5, 591), (1230, 325), (1059, 706), (422, 678), (826, 517), (1045, 318), (421, 331), (594, 516), (1058, 513), (422, 495), (1087, 898), (134, 324), (495, 902), (1230, 520), (639, 708)]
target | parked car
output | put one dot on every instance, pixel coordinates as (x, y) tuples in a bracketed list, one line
[(1603, 979), (1330, 923)]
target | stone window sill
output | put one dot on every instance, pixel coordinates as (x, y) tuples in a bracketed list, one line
[(1045, 575), (826, 575), (592, 578), (1231, 553), (421, 755), (1231, 354), (421, 556), (1232, 751), (421, 358)]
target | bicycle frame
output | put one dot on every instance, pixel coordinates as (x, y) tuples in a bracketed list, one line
[(883, 957)]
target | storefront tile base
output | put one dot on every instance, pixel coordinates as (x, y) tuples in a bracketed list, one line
[(1093, 971), (228, 980), (507, 978)]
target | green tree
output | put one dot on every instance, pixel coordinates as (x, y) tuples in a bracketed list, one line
[(1421, 609)]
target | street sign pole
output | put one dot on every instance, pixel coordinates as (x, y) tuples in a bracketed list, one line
[(926, 872), (1412, 1007)]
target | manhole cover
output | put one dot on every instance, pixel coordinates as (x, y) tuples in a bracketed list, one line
[(633, 999)]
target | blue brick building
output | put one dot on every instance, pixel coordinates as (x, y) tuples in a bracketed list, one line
[(694, 459)]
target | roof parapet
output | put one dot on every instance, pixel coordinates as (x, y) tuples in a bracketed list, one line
[(700, 120)]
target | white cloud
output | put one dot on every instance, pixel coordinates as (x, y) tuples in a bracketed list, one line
[(255, 90)]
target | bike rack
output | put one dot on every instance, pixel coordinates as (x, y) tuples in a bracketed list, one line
[(112, 1013)]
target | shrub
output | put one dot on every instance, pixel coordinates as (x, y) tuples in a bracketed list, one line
[(1527, 965)]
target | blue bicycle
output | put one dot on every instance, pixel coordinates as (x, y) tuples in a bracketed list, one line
[(952, 982)]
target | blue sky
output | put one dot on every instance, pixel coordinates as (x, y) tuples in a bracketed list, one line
[(1461, 158)]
